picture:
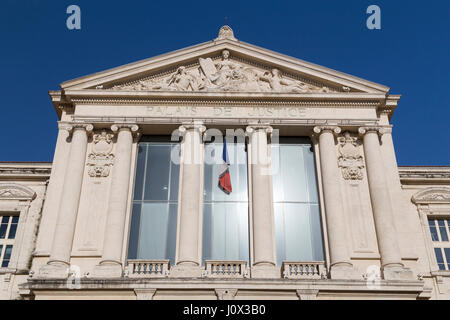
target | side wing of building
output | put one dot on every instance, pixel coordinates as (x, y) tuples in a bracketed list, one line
[(22, 194)]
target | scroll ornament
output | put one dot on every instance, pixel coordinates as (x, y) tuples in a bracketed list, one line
[(100, 160), (350, 159)]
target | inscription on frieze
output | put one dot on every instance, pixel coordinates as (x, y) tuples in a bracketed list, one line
[(228, 112)]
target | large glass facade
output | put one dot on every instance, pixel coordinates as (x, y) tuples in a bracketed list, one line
[(225, 216), (297, 216), (155, 202)]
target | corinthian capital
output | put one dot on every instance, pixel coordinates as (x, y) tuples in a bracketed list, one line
[(327, 128)]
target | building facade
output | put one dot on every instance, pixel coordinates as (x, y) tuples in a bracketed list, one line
[(224, 171)]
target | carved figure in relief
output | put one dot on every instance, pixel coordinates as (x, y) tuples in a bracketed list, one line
[(182, 80), (225, 75), (278, 84)]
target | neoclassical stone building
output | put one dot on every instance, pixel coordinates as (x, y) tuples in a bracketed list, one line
[(137, 205)]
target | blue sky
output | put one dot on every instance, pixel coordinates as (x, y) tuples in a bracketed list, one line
[(410, 54)]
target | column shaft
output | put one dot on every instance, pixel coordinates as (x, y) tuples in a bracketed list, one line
[(189, 236), (263, 221), (333, 201), (70, 197), (381, 203), (118, 196)]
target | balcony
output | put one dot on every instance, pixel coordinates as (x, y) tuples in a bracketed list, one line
[(148, 268), (304, 270)]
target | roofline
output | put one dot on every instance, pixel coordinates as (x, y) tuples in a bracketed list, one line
[(220, 45), (424, 175)]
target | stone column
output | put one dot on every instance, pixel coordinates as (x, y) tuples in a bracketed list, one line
[(59, 261), (391, 261), (264, 255), (340, 265), (111, 263), (188, 260)]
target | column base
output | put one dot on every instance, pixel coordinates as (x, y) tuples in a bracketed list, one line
[(345, 272), (186, 271), (113, 270), (397, 273), (265, 272), (54, 271)]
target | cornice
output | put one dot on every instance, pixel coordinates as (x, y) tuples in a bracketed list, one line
[(132, 95), (25, 171), (425, 175), (149, 120), (350, 100)]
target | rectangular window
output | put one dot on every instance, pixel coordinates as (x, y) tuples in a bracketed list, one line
[(155, 202), (8, 228), (225, 216), (439, 230), (298, 228)]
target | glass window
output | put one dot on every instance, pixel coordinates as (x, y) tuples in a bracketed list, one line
[(439, 230), (433, 230), (8, 228), (7, 256), (4, 226), (155, 205), (443, 230), (225, 216), (298, 228), (439, 258)]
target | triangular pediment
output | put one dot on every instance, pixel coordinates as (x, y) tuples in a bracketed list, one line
[(224, 65)]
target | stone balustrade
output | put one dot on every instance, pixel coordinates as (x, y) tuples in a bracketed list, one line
[(148, 268), (226, 269), (304, 270)]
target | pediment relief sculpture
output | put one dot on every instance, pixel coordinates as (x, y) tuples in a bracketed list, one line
[(226, 75), (432, 195), (350, 159)]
